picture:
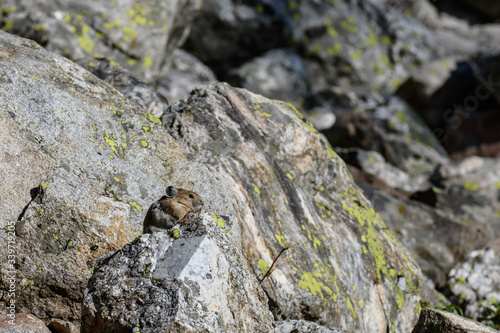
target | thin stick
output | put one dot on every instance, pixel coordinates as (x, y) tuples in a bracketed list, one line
[(271, 269)]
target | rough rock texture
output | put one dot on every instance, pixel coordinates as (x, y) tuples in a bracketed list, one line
[(138, 34), (290, 190), (475, 282), (60, 326), (118, 77), (435, 321), (80, 166), (302, 326), (23, 323), (193, 279)]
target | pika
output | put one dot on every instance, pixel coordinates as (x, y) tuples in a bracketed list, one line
[(171, 209)]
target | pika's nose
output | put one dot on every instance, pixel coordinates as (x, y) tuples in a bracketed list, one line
[(197, 203)]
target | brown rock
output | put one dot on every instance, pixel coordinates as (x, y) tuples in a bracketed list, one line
[(22, 323)]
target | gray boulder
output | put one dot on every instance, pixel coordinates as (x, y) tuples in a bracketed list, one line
[(143, 95), (141, 36), (80, 166), (335, 262), (435, 321), (189, 279), (359, 45)]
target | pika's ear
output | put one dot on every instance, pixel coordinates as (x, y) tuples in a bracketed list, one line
[(171, 191)]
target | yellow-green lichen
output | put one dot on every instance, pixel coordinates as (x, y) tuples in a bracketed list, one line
[(153, 119), (146, 129), (400, 297), (497, 184), (144, 143), (280, 239), (256, 189), (219, 220), (135, 205), (470, 186), (349, 24), (289, 175), (147, 62), (44, 185), (368, 219), (9, 24), (176, 234), (351, 308), (112, 144), (315, 287), (264, 267)]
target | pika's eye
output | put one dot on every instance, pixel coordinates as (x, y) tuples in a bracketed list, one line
[(191, 196)]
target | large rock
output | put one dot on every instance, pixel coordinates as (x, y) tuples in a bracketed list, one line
[(434, 321), (136, 34), (143, 95), (359, 45), (191, 280), (80, 166), (339, 264), (22, 323)]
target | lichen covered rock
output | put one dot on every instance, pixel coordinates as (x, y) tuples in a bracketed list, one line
[(81, 165), (189, 279), (136, 34), (339, 264)]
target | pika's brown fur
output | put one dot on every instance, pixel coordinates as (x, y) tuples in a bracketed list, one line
[(171, 209)]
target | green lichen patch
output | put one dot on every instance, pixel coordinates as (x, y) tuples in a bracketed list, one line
[(316, 287), (264, 267), (153, 119), (224, 222), (176, 234), (256, 189), (135, 205), (44, 185), (147, 62), (470, 186)]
